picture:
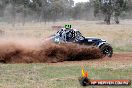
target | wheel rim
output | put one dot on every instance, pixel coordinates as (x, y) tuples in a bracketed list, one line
[(107, 51)]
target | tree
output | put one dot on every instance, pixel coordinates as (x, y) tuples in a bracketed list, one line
[(110, 8), (81, 10)]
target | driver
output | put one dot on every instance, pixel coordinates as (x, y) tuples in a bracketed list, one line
[(71, 35), (68, 35)]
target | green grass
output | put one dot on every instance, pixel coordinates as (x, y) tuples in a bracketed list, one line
[(54, 76)]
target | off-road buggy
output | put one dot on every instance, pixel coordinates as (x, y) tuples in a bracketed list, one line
[(67, 35)]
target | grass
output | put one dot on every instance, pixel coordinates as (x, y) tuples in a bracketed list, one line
[(51, 76), (127, 48)]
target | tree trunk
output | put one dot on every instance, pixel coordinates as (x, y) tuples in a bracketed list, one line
[(13, 13)]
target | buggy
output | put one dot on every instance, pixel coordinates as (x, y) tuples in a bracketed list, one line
[(68, 35)]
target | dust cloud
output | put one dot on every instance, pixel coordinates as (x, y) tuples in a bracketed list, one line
[(31, 51)]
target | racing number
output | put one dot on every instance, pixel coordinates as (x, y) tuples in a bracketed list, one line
[(67, 26)]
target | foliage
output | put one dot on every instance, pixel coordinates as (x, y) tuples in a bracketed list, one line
[(53, 10), (117, 7)]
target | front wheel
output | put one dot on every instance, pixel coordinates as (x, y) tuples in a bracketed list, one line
[(106, 50)]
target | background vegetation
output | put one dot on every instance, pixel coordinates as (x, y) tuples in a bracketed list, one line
[(14, 11)]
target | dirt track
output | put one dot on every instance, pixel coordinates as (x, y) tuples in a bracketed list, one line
[(119, 60)]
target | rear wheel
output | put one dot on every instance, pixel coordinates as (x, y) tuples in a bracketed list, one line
[(106, 50)]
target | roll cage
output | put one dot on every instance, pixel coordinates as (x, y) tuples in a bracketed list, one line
[(69, 35)]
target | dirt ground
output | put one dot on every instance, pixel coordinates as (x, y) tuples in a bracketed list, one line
[(119, 60)]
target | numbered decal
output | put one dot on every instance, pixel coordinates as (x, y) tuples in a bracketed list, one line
[(57, 39), (67, 26)]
